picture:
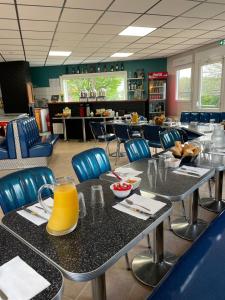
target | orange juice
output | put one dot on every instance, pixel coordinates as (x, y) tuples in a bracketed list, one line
[(65, 211), (134, 118)]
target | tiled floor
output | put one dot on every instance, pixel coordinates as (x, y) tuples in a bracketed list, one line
[(121, 285)]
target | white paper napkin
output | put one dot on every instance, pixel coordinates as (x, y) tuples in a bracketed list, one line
[(36, 208), (124, 172), (184, 170), (150, 203), (19, 281)]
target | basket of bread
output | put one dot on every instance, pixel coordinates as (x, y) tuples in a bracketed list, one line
[(186, 152), (158, 120)]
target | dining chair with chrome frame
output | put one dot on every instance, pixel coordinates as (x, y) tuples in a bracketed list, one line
[(137, 149), (151, 134), (122, 132)]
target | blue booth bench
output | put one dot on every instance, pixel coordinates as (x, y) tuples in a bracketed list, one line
[(200, 272), (202, 117), (23, 146)]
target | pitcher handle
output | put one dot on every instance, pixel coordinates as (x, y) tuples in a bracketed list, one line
[(40, 200)]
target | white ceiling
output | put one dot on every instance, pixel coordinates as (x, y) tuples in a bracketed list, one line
[(29, 29)]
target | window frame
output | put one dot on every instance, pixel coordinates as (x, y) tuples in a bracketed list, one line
[(183, 67), (209, 62), (93, 75)]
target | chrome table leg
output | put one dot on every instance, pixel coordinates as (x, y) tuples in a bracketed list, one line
[(192, 228), (64, 129), (99, 288), (215, 204), (151, 267), (83, 129)]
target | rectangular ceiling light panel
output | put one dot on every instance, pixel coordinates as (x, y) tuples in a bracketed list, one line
[(121, 54), (137, 31), (59, 53)]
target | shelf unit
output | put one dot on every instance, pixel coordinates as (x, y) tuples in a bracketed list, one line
[(157, 88), (137, 82)]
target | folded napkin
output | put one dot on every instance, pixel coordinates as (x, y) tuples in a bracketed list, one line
[(125, 172), (191, 171), (153, 205), (19, 281), (36, 208)]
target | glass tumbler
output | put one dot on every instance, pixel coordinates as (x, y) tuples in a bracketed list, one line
[(97, 196)]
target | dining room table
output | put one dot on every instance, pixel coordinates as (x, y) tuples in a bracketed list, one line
[(16, 259), (100, 239), (167, 183)]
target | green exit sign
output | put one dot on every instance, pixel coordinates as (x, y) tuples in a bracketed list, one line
[(221, 42)]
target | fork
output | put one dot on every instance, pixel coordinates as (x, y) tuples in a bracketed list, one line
[(132, 203)]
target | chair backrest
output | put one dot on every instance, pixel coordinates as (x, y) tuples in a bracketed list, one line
[(194, 117), (122, 131), (10, 140), (216, 116), (204, 117), (185, 117), (137, 149), (151, 132), (169, 137), (97, 129), (28, 134), (21, 187), (90, 164)]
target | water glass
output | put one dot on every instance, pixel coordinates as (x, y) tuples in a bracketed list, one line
[(97, 197), (152, 166), (161, 162), (82, 206)]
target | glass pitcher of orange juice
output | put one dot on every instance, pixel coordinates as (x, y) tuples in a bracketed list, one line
[(134, 117), (65, 211)]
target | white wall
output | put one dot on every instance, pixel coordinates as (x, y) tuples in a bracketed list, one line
[(193, 58)]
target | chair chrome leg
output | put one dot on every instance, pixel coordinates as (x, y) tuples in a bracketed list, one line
[(184, 211), (148, 241), (210, 189), (117, 152), (169, 221), (127, 262)]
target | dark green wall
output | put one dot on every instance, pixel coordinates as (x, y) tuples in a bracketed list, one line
[(41, 75)]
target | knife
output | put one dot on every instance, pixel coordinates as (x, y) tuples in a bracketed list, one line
[(3, 295), (34, 213), (188, 170), (135, 209), (189, 173)]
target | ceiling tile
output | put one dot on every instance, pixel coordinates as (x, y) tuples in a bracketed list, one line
[(91, 44), (152, 21), (220, 16), (159, 46), (181, 22), (93, 4), (172, 7), (107, 29), (37, 25), (9, 24), (217, 1), (132, 6), (138, 45), (36, 42), (210, 24), (11, 47), (60, 42), (58, 3), (69, 36), (205, 10), (37, 53), (124, 39), (35, 48), (180, 47), (190, 33), (45, 35), (222, 28), (98, 37), (74, 27), (116, 18), (38, 12), (7, 11), (162, 32), (195, 41), (150, 39), (214, 34), (147, 51), (9, 34), (61, 48), (132, 50), (174, 40), (10, 41), (80, 15)]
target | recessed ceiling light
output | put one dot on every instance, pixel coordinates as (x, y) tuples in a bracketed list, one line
[(59, 53), (121, 54), (137, 31)]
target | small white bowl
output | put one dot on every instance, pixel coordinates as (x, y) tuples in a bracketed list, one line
[(121, 194), (135, 184)]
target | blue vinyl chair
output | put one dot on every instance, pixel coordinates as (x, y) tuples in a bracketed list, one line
[(222, 116), (169, 137), (90, 164), (215, 116), (99, 133), (137, 149), (122, 132), (204, 117), (185, 117), (21, 187), (151, 134), (194, 117)]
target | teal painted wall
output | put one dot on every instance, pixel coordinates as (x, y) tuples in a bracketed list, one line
[(41, 75)]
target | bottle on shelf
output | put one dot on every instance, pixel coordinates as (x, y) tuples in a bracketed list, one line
[(122, 67), (98, 68), (117, 67), (135, 74), (105, 68), (78, 70), (111, 68)]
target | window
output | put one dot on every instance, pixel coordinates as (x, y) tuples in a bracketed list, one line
[(210, 85), (115, 85), (183, 91)]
